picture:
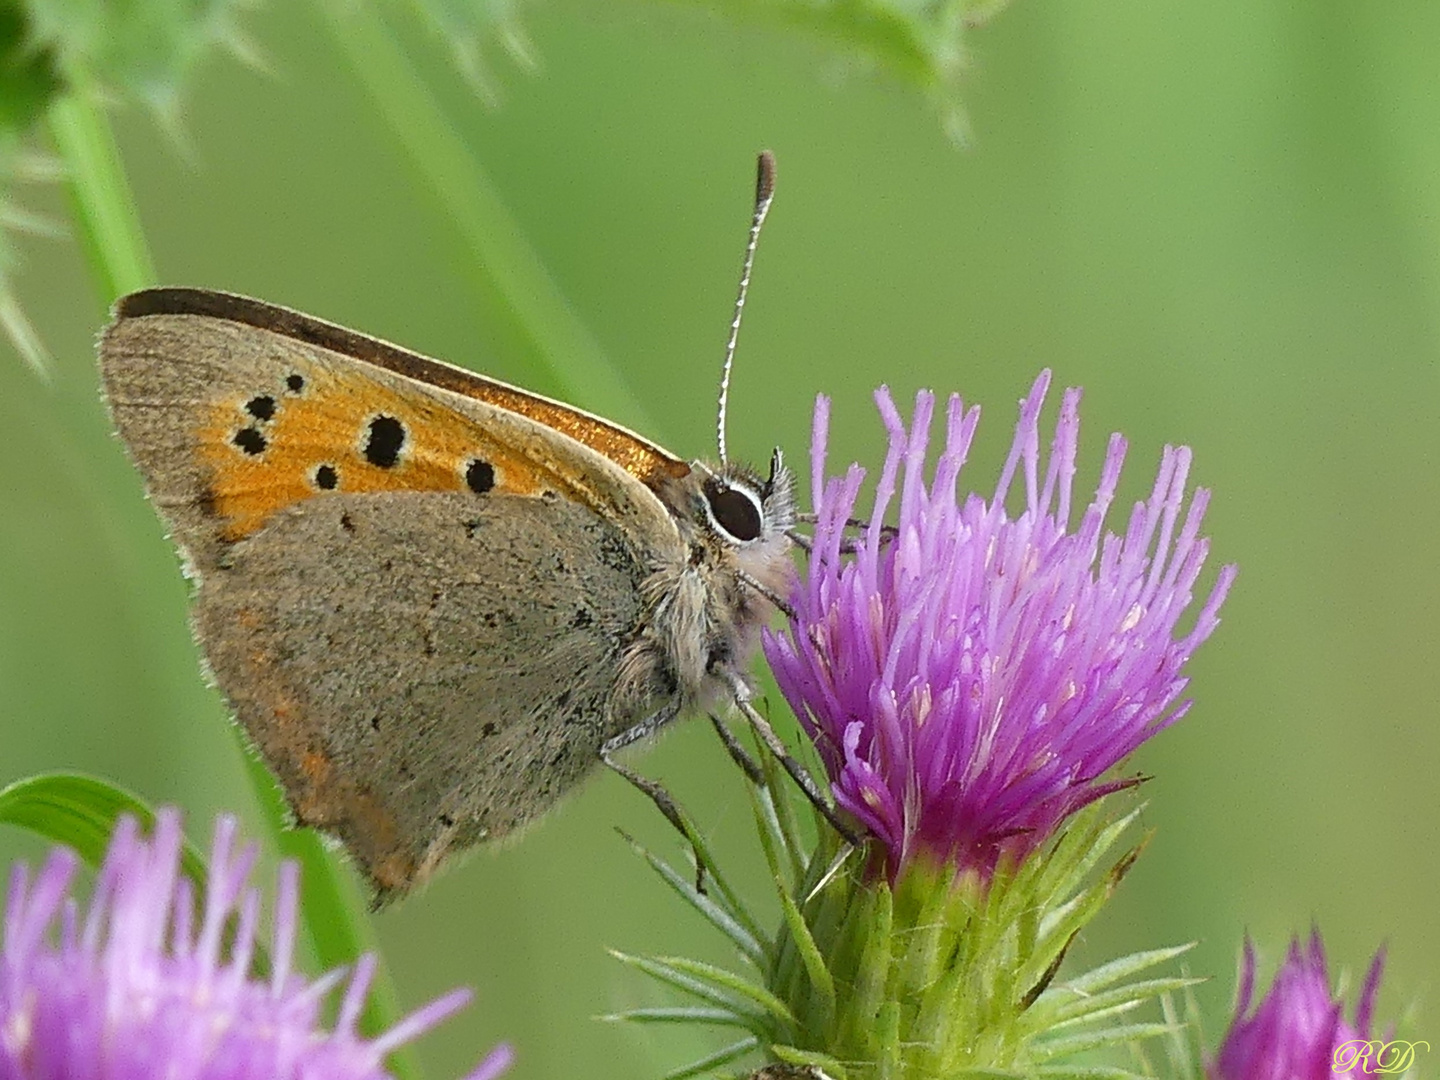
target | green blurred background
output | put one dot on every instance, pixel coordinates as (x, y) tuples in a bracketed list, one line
[(1222, 220)]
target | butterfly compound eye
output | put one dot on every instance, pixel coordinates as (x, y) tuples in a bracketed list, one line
[(735, 511)]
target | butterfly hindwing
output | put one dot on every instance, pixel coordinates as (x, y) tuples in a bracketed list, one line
[(416, 676)]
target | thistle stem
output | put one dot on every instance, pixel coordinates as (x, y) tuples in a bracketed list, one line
[(102, 206)]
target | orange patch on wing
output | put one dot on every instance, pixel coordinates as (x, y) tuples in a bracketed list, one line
[(395, 873), (315, 766), (278, 446), (641, 460)]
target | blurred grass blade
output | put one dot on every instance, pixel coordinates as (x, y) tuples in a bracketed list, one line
[(507, 268), (104, 209), (80, 812), (22, 335)]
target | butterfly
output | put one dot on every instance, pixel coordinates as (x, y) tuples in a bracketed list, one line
[(433, 600)]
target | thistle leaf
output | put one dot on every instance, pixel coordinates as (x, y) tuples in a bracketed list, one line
[(1094, 1040), (674, 1015), (743, 935), (1098, 978), (724, 1056), (752, 1004)]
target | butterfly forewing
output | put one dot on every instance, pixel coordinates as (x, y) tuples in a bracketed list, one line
[(230, 423)]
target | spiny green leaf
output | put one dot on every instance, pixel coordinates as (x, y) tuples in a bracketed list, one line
[(471, 27), (873, 968), (736, 984), (821, 981), (772, 839), (1055, 935), (1184, 1047), (1085, 1008), (782, 793), (22, 334), (755, 949), (793, 1055), (774, 842), (721, 1057), (674, 1015), (1098, 978), (1094, 1040), (1063, 874), (922, 43), (145, 52), (715, 985)]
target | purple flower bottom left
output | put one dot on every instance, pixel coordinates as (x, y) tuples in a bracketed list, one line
[(145, 983)]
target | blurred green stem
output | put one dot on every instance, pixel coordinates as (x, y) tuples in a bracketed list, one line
[(506, 268), (103, 208), (109, 228)]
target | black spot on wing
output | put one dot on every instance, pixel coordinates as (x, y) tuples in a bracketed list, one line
[(261, 407), (479, 476), (326, 478), (295, 383), (250, 440), (383, 443)]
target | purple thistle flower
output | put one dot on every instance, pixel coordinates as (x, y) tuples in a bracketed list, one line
[(143, 984), (1298, 1032), (969, 677)]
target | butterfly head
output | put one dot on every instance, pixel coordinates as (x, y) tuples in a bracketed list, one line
[(725, 577), (746, 510)]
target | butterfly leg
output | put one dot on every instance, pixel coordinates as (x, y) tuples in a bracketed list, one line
[(657, 794), (806, 517), (770, 594), (748, 765), (847, 547), (741, 691)]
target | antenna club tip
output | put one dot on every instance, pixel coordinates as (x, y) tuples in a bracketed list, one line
[(764, 177)]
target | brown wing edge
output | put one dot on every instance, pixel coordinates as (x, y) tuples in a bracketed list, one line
[(644, 460)]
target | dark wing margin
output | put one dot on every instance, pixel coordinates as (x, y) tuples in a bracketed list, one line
[(650, 464)]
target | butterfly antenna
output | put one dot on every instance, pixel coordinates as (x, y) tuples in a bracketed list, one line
[(764, 192)]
